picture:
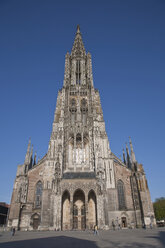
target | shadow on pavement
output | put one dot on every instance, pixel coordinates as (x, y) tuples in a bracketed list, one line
[(160, 238), (53, 242), (113, 244), (140, 244)]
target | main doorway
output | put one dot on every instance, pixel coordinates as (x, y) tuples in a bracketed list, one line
[(79, 216), (92, 210), (36, 221), (124, 222), (66, 211)]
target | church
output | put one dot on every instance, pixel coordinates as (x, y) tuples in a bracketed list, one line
[(80, 182)]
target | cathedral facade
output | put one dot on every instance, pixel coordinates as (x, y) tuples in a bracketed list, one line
[(79, 182)]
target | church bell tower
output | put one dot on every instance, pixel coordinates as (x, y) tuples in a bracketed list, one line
[(78, 137), (79, 183)]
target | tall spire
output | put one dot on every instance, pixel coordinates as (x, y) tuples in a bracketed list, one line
[(78, 49), (31, 158), (124, 160), (27, 156), (132, 151), (35, 158), (78, 29), (31, 152), (128, 157)]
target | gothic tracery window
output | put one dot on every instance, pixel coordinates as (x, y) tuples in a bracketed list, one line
[(84, 105), (78, 72), (84, 110), (73, 102), (75, 210), (78, 149), (73, 110), (121, 195), (38, 196), (80, 153)]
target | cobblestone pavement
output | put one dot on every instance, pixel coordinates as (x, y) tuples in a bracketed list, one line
[(138, 238)]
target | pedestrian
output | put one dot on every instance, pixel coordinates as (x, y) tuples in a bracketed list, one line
[(95, 230), (150, 225), (144, 225), (13, 231), (113, 225), (117, 223)]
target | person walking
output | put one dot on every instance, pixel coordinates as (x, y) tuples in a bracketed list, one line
[(117, 224), (95, 230), (150, 225), (13, 231), (113, 225)]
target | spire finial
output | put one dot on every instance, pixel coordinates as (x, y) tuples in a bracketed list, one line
[(29, 144), (78, 29)]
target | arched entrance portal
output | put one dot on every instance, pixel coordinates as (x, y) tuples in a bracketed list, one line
[(66, 211), (92, 213), (35, 221), (124, 221), (79, 218)]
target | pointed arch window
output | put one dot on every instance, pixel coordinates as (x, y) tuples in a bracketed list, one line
[(121, 195), (73, 102), (84, 110), (38, 195), (78, 72), (73, 110), (80, 153), (84, 107)]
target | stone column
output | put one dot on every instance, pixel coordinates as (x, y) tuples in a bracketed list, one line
[(67, 67), (71, 211), (82, 147), (45, 213), (73, 72), (74, 151), (82, 69), (86, 210)]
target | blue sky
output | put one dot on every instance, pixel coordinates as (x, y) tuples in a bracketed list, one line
[(126, 40)]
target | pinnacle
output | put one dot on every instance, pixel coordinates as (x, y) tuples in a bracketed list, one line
[(78, 29), (78, 49)]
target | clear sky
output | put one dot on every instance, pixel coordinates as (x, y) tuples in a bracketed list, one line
[(126, 40)]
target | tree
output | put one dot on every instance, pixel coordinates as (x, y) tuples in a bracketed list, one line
[(159, 208)]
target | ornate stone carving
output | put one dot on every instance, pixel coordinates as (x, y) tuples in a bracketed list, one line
[(78, 148), (22, 193)]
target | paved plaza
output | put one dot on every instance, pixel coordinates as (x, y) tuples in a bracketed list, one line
[(138, 238)]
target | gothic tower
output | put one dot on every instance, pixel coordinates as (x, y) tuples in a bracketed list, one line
[(79, 148), (79, 182)]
